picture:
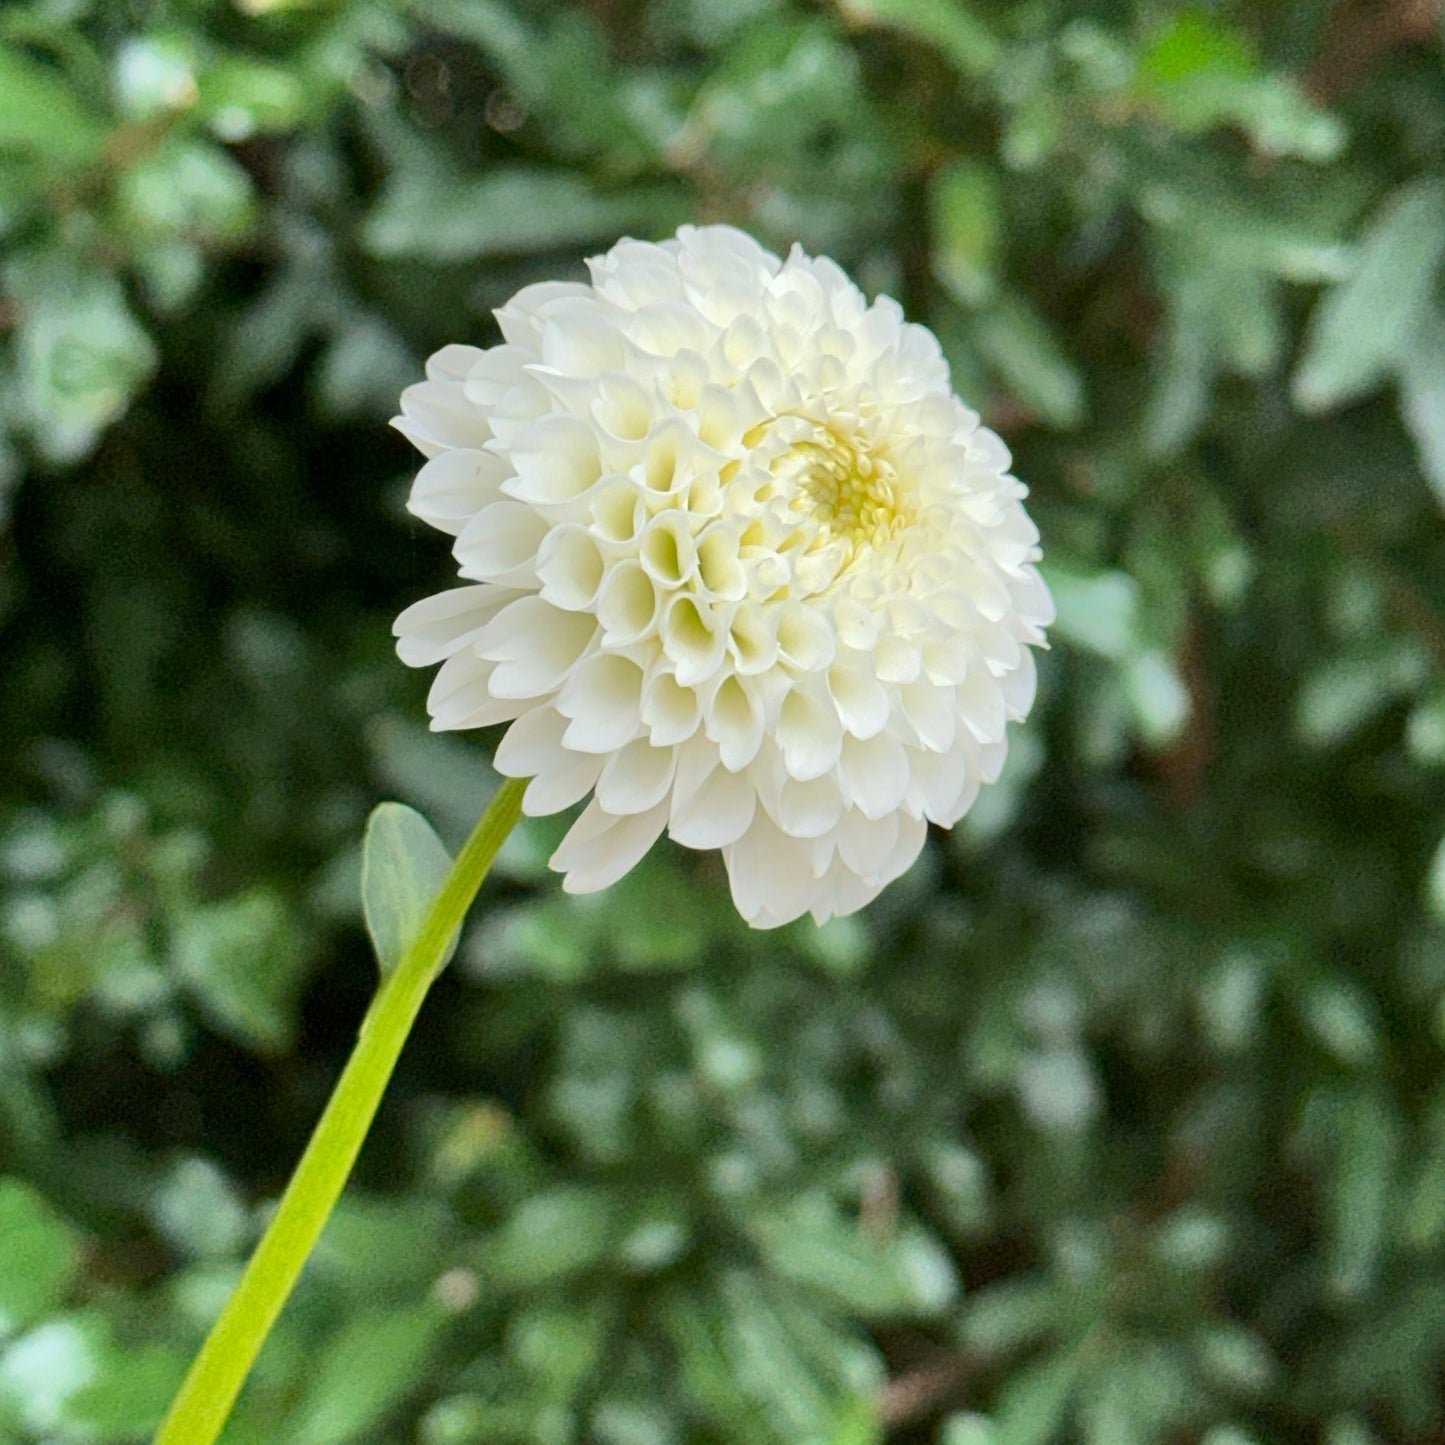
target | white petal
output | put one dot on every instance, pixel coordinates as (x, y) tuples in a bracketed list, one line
[(570, 568), (603, 699), (671, 713), (437, 626), (436, 415), (1019, 687), (461, 696), (532, 742), (555, 462), (564, 781), (771, 874), (809, 732), (733, 720), (694, 636), (874, 774), (599, 848), (453, 362), (636, 778), (980, 706), (865, 844), (933, 712), (454, 486), (715, 814), (500, 544), (808, 810), (536, 644), (861, 700)]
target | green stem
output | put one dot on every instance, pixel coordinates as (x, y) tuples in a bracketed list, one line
[(204, 1402)]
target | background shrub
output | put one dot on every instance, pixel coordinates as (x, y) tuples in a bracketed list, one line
[(1120, 1120)]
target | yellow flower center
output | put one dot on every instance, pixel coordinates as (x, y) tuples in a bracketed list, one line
[(850, 491)]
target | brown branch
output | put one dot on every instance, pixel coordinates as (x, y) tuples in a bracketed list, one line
[(1359, 33)]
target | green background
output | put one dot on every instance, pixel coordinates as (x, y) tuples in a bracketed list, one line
[(1119, 1120)]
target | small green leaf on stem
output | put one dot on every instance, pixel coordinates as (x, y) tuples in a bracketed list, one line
[(403, 867)]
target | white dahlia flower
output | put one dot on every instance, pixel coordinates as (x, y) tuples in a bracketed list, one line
[(741, 566)]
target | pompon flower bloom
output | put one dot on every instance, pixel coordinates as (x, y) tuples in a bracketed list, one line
[(741, 566)]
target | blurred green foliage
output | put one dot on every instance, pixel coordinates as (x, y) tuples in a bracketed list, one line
[(1120, 1120)]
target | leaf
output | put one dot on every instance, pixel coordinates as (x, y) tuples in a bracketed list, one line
[(1032, 1405), (242, 960), (82, 354), (1016, 340), (951, 25), (40, 114), (1360, 1193), (811, 1244), (42, 1371), (552, 1237), (1198, 73), (129, 1393), (1099, 613), (427, 214), (967, 221), (1422, 398), (372, 1362), (403, 867), (1365, 324), (39, 1254), (1435, 882)]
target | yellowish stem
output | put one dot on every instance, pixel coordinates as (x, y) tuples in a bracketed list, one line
[(206, 1396)]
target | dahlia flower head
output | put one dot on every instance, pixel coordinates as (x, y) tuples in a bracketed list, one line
[(739, 564)]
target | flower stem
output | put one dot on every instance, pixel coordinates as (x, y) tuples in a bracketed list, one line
[(209, 1390)]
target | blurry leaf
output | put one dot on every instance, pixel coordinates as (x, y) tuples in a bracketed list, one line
[(1157, 695), (198, 1211), (403, 867), (423, 213), (191, 188), (1422, 397), (439, 774), (1366, 1146), (1340, 1016), (41, 115), (1032, 1405), (1016, 340), (374, 1360), (1349, 1430), (782, 95), (241, 959), (1099, 613), (241, 98), (1234, 1358), (129, 1394), (810, 1244), (709, 1373), (1001, 1317), (966, 230), (549, 1238), (951, 25), (82, 354), (1198, 73), (1349, 691), (1435, 882), (363, 370), (559, 1344), (41, 1372), (374, 1244), (39, 1255), (156, 73), (1365, 324), (769, 1366), (968, 1430)]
